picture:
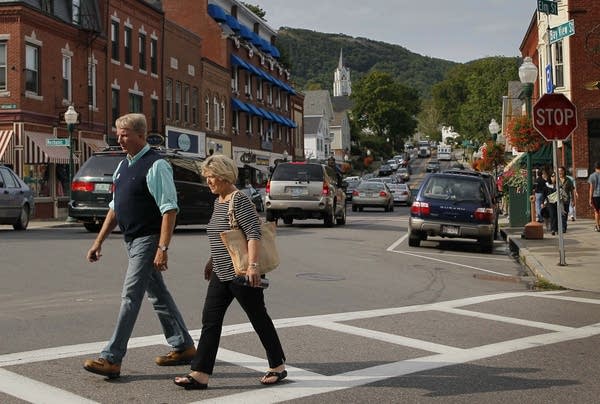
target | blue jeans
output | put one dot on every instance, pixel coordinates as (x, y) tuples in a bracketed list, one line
[(142, 277), (539, 200)]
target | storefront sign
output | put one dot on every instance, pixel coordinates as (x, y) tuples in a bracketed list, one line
[(248, 157)]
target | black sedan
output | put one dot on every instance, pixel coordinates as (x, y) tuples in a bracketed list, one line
[(16, 200)]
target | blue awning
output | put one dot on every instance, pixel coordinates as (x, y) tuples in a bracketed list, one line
[(270, 116), (239, 105), (278, 119), (232, 22), (275, 52), (217, 13), (254, 110), (237, 61), (245, 32), (255, 40)]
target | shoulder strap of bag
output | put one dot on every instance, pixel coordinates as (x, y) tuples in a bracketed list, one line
[(231, 212)]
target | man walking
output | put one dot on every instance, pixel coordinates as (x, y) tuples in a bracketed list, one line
[(144, 206), (594, 181)]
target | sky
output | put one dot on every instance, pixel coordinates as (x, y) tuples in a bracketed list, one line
[(457, 30)]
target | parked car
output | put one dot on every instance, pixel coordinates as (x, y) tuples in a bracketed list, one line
[(351, 184), (254, 195), (305, 191), (388, 180), (385, 170), (490, 182), (402, 193), (17, 204), (372, 194), (393, 164), (433, 166), (403, 174), (453, 206), (91, 189)]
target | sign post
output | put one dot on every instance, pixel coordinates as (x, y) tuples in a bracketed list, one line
[(555, 117)]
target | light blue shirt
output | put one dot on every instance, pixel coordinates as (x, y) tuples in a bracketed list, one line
[(160, 182)]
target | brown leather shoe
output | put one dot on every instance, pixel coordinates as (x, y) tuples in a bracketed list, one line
[(103, 367), (174, 358)]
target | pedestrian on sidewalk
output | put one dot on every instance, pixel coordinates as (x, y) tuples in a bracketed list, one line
[(540, 193), (144, 205), (567, 195), (221, 174), (594, 181), (551, 203)]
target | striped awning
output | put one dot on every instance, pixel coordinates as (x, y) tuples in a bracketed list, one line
[(88, 146), (5, 140), (36, 150)]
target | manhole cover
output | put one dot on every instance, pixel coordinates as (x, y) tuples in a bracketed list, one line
[(313, 276)]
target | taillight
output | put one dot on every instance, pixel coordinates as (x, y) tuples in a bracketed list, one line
[(484, 215), (383, 194), (268, 187), (326, 191), (420, 209), (355, 193), (82, 186)]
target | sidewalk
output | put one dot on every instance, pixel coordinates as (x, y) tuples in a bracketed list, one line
[(541, 257)]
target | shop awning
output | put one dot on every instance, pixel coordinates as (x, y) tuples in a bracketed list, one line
[(5, 139), (237, 61), (37, 151), (239, 105), (232, 22), (217, 13), (95, 144)]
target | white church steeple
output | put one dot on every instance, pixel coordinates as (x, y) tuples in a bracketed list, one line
[(341, 79)]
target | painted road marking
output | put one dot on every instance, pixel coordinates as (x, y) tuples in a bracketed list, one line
[(306, 383)]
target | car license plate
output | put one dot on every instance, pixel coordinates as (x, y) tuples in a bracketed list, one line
[(297, 191), (450, 230), (102, 187)]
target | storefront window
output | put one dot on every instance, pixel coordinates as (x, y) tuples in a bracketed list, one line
[(42, 178)]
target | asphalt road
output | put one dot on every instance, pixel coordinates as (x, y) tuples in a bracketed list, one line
[(362, 316)]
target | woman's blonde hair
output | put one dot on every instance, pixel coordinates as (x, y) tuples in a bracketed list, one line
[(220, 166), (135, 122)]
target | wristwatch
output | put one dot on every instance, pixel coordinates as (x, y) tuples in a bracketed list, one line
[(163, 248)]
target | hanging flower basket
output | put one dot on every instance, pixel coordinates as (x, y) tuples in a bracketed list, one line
[(493, 156), (522, 135)]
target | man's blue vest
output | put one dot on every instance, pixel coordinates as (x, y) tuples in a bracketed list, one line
[(136, 209)]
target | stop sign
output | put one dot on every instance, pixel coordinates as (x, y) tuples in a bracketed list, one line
[(554, 116)]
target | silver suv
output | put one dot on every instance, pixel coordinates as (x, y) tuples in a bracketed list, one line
[(306, 191)]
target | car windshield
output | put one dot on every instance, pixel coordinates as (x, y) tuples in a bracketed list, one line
[(455, 189), (298, 172)]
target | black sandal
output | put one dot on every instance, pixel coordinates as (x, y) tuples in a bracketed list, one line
[(280, 376), (191, 384)]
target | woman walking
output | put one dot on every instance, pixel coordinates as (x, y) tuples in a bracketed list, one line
[(221, 175)]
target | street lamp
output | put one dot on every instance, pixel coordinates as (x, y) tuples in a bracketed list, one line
[(528, 73), (494, 128), (71, 120)]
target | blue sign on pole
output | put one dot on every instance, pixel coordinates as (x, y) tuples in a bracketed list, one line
[(549, 83)]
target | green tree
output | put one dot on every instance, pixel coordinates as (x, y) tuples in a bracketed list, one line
[(385, 107), (429, 121), (260, 13), (471, 95)]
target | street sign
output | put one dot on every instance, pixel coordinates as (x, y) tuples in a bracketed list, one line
[(547, 6), (554, 116), (562, 31), (57, 141)]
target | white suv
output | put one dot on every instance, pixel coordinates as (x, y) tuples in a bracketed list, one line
[(305, 191)]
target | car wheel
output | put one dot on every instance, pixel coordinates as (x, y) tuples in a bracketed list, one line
[(392, 207), (487, 244), (93, 227), (354, 208), (360, 208), (341, 220), (288, 220), (271, 216), (414, 240), (329, 217), (23, 220)]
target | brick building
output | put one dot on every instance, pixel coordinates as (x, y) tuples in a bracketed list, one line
[(575, 64)]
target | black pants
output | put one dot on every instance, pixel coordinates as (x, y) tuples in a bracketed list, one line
[(218, 298)]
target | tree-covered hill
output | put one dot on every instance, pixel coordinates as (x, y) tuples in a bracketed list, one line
[(313, 57)]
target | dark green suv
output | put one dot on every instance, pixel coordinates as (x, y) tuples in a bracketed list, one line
[(91, 189)]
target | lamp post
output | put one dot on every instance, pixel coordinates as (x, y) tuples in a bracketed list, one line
[(71, 119), (494, 128), (528, 75)]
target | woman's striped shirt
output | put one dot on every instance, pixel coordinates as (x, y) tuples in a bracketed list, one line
[(248, 221)]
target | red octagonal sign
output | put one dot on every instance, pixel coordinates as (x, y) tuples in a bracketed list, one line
[(554, 116)]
